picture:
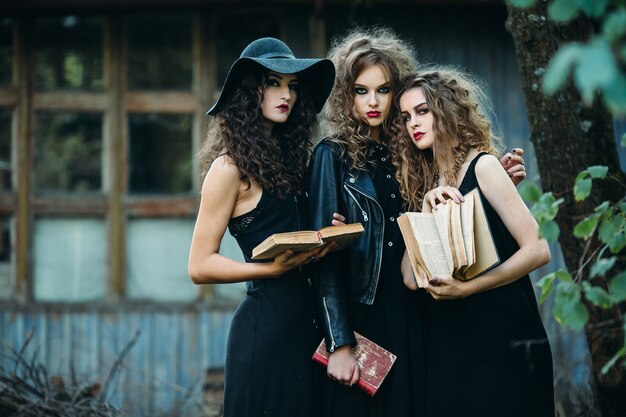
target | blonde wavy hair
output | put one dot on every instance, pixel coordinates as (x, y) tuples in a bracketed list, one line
[(460, 121), (351, 53)]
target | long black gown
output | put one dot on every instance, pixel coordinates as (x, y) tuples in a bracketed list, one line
[(269, 371), (489, 354), (395, 320)]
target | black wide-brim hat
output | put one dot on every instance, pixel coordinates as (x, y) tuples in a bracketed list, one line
[(274, 55)]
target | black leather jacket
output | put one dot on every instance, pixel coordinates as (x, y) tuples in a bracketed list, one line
[(352, 273)]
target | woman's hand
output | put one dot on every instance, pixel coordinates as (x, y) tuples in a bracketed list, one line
[(343, 367), (440, 195), (513, 164), (338, 220), (407, 273), (289, 260), (446, 287)]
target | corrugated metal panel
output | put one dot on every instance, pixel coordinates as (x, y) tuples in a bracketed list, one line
[(168, 362)]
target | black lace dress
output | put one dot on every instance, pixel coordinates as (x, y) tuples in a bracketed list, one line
[(269, 371), (489, 355)]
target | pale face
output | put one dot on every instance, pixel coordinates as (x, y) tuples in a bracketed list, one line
[(372, 97), (417, 118), (279, 96)]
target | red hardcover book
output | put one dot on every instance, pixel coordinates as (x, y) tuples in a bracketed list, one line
[(374, 362)]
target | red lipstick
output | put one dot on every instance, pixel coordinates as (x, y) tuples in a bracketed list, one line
[(283, 108), (418, 135), (373, 114)]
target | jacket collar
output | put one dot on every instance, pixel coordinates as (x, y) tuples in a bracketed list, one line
[(362, 182)]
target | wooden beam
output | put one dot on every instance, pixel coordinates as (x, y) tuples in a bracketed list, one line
[(161, 102), (161, 206), (8, 97), (70, 100)]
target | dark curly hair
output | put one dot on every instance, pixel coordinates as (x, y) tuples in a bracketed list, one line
[(276, 159), (460, 121)]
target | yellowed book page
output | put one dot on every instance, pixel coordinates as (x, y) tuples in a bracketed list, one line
[(277, 243), (467, 227), (460, 258), (486, 252), (432, 250), (412, 249), (342, 235), (442, 220)]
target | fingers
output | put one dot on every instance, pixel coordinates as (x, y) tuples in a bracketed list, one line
[(356, 374), (438, 195), (326, 248), (518, 151), (338, 220)]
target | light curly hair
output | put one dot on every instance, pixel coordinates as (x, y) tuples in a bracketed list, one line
[(460, 110), (352, 53)]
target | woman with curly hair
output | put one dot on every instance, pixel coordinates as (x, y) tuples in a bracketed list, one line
[(360, 287), (255, 158), (487, 346)]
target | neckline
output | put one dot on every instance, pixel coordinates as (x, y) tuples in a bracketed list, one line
[(471, 167)]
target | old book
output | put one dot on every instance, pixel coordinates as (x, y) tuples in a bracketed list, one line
[(306, 240), (453, 240), (374, 362)]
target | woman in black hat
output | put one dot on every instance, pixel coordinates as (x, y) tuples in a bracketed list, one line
[(256, 155)]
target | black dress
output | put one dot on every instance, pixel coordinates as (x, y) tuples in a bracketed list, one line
[(269, 371), (489, 354), (395, 320)]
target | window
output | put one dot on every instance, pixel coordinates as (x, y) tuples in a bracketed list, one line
[(106, 137)]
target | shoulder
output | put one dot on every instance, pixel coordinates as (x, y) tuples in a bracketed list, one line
[(328, 146), (487, 164), (222, 171)]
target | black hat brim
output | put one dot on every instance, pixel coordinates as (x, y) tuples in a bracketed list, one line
[(317, 74)]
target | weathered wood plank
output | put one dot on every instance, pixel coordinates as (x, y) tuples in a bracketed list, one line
[(161, 102)]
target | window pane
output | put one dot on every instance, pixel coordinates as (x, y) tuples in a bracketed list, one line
[(157, 251), (6, 257), (68, 53), (6, 51), (160, 153), (5, 149), (233, 38), (159, 52), (69, 259), (68, 151)]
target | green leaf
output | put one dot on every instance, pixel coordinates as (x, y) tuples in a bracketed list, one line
[(602, 266), (617, 287), (582, 189), (550, 231), (597, 171), (522, 4), (563, 10), (598, 297), (530, 192), (596, 69), (615, 24), (559, 67), (620, 353), (604, 208), (568, 309), (593, 8), (563, 276), (622, 207), (618, 241), (623, 141), (586, 227), (546, 284), (615, 95)]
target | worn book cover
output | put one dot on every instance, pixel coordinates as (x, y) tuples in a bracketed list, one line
[(454, 238), (374, 362), (305, 240)]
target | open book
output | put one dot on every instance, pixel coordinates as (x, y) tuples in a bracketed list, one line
[(306, 240), (455, 239), (374, 362)]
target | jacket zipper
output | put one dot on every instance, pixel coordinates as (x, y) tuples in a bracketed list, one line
[(363, 212), (380, 254), (330, 329)]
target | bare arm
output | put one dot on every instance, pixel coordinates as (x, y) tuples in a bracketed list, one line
[(220, 193), (533, 252)]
